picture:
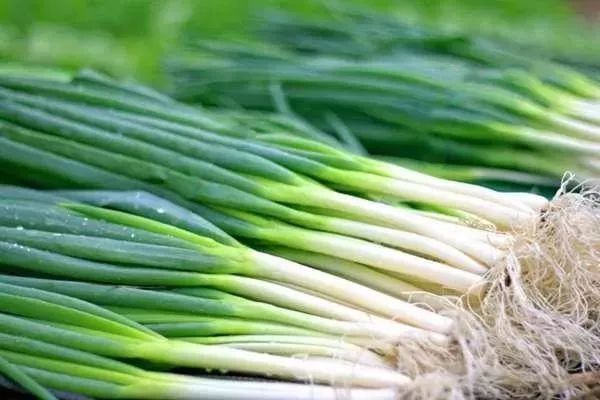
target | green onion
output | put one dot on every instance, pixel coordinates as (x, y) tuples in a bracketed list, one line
[(230, 306), (296, 346), (137, 131), (75, 256), (408, 91), (356, 207), (17, 375), (63, 368), (84, 331), (181, 237), (268, 187), (195, 355)]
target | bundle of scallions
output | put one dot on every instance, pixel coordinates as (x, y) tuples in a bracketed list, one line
[(52, 340), (273, 189), (457, 107), (182, 237), (80, 283)]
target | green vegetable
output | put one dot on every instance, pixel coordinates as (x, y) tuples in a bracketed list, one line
[(16, 374), (208, 263), (33, 314), (410, 92), (68, 369)]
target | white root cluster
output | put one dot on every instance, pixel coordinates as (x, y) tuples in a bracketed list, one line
[(538, 324)]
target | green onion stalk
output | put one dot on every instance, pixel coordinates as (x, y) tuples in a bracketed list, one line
[(246, 226), (496, 178), (297, 346), (34, 236), (183, 135), (170, 215), (251, 335), (364, 95), (193, 315), (250, 185), (73, 371), (385, 283), (367, 34), (17, 375), (278, 190), (69, 322), (198, 314), (51, 341), (411, 93)]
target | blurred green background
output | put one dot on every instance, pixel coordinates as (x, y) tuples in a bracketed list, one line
[(129, 38)]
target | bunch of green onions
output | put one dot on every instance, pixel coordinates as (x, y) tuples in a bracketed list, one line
[(63, 343), (80, 248), (495, 115), (274, 189), (209, 240), (173, 297)]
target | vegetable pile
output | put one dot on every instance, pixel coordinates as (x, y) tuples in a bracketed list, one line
[(455, 106), (161, 236)]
